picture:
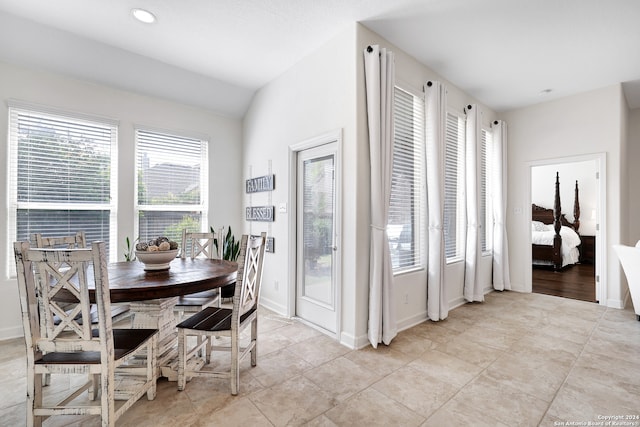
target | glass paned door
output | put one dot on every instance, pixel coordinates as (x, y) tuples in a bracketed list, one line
[(316, 236)]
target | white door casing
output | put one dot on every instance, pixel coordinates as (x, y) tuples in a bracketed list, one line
[(314, 259)]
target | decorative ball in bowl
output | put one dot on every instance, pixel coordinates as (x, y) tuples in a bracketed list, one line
[(156, 254)]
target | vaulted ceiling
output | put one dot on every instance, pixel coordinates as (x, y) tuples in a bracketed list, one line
[(216, 53)]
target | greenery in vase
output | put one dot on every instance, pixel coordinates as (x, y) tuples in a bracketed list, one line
[(230, 247), (129, 254)]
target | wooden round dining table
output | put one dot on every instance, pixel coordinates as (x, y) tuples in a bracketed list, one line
[(152, 295), (128, 281)]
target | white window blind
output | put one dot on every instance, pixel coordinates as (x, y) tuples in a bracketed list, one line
[(172, 184), (407, 183), (453, 187), (486, 173), (62, 176)]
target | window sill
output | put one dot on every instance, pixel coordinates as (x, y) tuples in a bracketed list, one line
[(408, 271), (454, 260)]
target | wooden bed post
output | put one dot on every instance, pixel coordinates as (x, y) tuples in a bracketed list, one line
[(557, 240), (576, 210)]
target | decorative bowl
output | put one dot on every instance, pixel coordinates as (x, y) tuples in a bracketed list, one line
[(157, 260)]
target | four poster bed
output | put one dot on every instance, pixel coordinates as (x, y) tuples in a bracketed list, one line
[(554, 239)]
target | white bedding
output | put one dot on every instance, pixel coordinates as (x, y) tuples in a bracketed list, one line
[(570, 241)]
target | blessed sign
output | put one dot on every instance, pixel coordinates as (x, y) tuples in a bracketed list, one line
[(261, 183), (260, 213)]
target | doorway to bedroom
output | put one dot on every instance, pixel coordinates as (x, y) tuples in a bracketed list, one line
[(565, 264)]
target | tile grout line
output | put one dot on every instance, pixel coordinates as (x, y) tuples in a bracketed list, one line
[(483, 370), (584, 346)]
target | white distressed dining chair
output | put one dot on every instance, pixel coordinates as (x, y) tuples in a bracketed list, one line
[(196, 245), (217, 322), (76, 241), (46, 276)]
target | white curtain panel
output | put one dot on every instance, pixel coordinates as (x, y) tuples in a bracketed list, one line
[(501, 278), (436, 113), (472, 286), (379, 80)]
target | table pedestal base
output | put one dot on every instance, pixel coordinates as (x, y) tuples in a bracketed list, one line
[(158, 314)]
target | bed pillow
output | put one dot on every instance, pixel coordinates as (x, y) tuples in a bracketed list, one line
[(538, 226)]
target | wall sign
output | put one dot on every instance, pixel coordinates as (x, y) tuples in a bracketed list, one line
[(271, 245), (260, 213), (261, 183)]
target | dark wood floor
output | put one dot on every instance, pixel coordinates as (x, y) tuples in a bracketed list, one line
[(576, 282)]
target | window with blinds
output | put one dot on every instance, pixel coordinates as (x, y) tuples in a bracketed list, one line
[(62, 176), (486, 173), (453, 187), (172, 184), (406, 208)]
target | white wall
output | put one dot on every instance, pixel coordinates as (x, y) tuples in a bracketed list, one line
[(583, 124), (130, 109), (314, 97), (543, 180), (633, 178)]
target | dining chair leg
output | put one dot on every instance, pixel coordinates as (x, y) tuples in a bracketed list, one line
[(152, 366), (107, 389), (254, 342), (208, 349), (202, 350), (34, 398), (94, 390), (235, 368), (182, 359)]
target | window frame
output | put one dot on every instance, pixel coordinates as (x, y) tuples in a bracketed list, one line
[(46, 113), (486, 180), (418, 192), (460, 192), (202, 207)]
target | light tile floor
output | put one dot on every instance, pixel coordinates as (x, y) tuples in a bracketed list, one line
[(514, 360)]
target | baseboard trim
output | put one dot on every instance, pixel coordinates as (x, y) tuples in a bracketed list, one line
[(615, 303), (273, 306), (353, 342), (411, 321), (11, 332)]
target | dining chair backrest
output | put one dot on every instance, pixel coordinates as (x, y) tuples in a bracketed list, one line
[(249, 279), (199, 245), (46, 276), (78, 240)]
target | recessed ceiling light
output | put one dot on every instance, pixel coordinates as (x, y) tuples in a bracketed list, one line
[(143, 16)]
